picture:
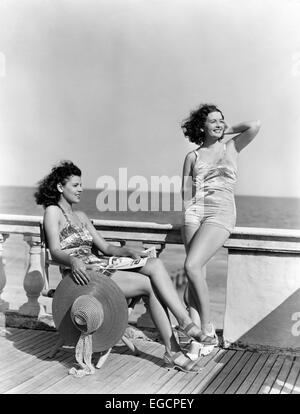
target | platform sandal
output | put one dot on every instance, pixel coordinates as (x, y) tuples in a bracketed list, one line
[(187, 366), (197, 349), (199, 337)]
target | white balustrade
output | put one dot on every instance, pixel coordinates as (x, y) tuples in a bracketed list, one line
[(263, 288), (3, 304), (34, 280)]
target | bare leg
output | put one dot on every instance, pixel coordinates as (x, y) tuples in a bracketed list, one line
[(161, 280), (134, 284), (188, 233), (203, 245)]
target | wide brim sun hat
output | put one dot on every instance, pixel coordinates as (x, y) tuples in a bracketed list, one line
[(104, 298)]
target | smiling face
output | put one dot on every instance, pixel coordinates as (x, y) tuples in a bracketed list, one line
[(72, 189), (214, 126)]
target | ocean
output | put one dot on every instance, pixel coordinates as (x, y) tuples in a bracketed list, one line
[(252, 211)]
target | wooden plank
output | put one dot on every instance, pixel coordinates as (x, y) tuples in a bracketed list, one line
[(282, 376), (206, 364), (49, 373), (163, 377), (211, 386), (208, 371), (270, 379), (296, 388), (242, 376), (22, 358), (158, 370), (243, 388), (132, 365), (229, 377), (21, 372), (178, 375), (142, 377), (115, 376), (180, 381), (70, 384), (26, 370), (263, 373), (25, 357), (159, 378), (12, 333), (25, 341), (15, 341), (106, 374), (29, 373), (292, 377), (27, 353)]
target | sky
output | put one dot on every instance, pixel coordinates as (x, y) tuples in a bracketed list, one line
[(107, 83)]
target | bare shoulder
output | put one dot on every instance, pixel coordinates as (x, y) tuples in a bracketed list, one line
[(52, 212), (190, 157)]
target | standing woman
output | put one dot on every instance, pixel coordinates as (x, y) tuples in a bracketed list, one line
[(209, 175)]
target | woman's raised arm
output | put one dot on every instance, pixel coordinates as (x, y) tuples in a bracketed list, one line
[(246, 131)]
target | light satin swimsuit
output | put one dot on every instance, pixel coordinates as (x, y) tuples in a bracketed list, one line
[(213, 194)]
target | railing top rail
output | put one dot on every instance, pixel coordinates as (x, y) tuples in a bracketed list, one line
[(13, 223)]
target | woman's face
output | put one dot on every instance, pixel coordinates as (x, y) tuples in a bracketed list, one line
[(72, 189), (214, 126)]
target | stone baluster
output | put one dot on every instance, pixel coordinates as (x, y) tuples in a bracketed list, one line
[(3, 304), (33, 280)]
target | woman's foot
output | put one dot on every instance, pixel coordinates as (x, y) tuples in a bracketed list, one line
[(209, 331), (178, 361), (193, 332), (197, 349)]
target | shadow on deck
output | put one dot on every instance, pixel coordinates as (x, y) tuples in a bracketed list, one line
[(25, 369)]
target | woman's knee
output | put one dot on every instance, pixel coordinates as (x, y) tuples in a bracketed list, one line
[(193, 269), (146, 286), (133, 285), (154, 266)]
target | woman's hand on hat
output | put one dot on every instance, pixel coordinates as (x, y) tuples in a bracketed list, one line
[(78, 269)]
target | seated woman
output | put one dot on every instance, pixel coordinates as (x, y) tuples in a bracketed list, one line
[(70, 237)]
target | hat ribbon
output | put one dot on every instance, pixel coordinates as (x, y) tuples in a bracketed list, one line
[(83, 355)]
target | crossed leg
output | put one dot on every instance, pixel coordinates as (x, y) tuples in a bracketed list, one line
[(136, 284)]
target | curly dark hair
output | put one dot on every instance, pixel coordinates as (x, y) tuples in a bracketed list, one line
[(47, 193), (192, 125)]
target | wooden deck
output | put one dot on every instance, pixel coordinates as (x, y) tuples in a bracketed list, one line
[(24, 369)]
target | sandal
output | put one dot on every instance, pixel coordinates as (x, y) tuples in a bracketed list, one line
[(187, 366), (200, 336), (197, 349)]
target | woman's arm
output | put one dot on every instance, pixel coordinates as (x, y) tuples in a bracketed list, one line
[(187, 188), (105, 247), (246, 132), (51, 226)]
